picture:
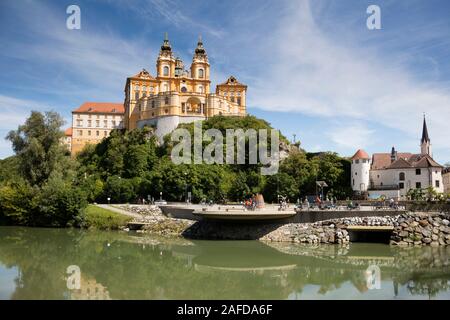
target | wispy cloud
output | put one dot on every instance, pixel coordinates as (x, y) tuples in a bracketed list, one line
[(311, 72), (171, 12), (350, 136), (102, 59)]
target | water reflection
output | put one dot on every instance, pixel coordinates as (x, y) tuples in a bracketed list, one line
[(119, 266)]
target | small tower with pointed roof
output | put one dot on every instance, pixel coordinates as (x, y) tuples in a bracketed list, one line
[(360, 170), (200, 67), (165, 65), (425, 142)]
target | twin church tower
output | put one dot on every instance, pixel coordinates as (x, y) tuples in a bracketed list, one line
[(176, 95)]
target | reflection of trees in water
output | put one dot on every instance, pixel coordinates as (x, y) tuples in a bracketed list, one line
[(423, 284), (178, 270), (429, 287)]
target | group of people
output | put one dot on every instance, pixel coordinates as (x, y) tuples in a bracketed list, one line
[(250, 203)]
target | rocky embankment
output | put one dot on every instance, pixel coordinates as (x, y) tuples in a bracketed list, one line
[(422, 229), (409, 229), (155, 221)]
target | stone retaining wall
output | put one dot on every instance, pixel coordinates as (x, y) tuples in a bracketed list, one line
[(409, 229)]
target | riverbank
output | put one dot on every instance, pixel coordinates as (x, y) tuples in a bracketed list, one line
[(407, 229), (104, 218)]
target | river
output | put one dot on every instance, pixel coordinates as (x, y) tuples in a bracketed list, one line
[(39, 263)]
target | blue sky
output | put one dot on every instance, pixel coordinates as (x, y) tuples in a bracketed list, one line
[(312, 67)]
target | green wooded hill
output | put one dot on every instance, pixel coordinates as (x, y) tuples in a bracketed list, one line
[(42, 185)]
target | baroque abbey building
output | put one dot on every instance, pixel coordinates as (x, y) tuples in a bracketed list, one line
[(176, 95)]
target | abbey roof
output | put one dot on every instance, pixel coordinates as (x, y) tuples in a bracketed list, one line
[(100, 107)]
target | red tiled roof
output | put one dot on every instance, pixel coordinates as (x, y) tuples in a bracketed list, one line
[(383, 160), (100, 107), (360, 154), (68, 132), (404, 160), (425, 162), (400, 163)]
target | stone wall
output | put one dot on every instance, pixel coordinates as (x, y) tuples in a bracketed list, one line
[(422, 229), (409, 229)]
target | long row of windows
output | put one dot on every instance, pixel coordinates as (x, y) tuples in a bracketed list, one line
[(90, 133), (401, 185), (99, 116), (114, 123), (165, 88)]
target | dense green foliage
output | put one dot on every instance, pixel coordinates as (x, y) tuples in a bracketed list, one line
[(42, 186), (37, 185), (128, 166)]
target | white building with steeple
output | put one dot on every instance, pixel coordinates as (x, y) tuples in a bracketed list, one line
[(393, 174)]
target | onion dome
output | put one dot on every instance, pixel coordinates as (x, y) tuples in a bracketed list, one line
[(166, 45), (200, 49)]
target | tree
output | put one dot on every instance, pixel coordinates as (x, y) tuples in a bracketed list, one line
[(281, 184), (9, 169), (431, 193), (119, 189), (43, 193), (38, 148)]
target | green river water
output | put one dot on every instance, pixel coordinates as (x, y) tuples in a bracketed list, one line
[(34, 264)]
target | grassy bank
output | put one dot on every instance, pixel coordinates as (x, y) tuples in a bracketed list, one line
[(104, 219)]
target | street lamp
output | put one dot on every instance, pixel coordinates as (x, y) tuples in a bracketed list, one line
[(186, 185), (321, 185)]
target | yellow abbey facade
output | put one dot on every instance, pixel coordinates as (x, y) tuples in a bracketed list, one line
[(177, 95)]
